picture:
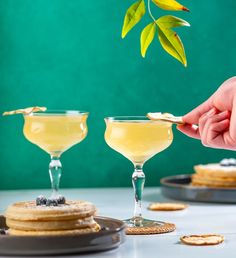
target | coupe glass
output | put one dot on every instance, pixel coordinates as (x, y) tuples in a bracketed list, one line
[(55, 132), (138, 139)]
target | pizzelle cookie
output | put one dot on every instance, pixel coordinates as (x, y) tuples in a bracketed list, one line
[(213, 182), (69, 218), (28, 211), (167, 206), (221, 174), (209, 239), (88, 222), (16, 232)]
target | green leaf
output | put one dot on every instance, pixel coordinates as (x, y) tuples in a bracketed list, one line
[(169, 39), (170, 5), (172, 44), (169, 21), (133, 15), (147, 36)]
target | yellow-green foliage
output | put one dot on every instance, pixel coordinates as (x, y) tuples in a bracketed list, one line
[(163, 27)]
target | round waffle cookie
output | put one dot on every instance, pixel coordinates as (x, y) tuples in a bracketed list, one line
[(221, 174), (28, 211), (216, 170), (213, 181), (88, 222), (73, 217), (87, 230)]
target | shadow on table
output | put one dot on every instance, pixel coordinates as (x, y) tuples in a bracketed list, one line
[(158, 197)]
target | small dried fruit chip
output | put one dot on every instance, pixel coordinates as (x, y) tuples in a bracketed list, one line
[(209, 239), (157, 206), (165, 117), (24, 111)]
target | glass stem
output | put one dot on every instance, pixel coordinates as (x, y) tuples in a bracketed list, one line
[(55, 169), (138, 180)]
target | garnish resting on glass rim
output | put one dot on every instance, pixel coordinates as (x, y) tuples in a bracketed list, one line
[(162, 26), (167, 117), (25, 111)]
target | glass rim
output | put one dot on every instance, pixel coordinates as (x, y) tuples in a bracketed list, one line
[(57, 112), (132, 119)]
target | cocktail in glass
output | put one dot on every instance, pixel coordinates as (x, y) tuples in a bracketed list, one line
[(138, 139), (55, 132)]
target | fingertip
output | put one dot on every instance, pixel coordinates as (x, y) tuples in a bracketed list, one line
[(184, 127), (191, 118), (179, 127), (187, 118), (187, 126)]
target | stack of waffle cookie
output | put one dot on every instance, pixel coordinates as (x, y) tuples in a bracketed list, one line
[(73, 217), (221, 174)]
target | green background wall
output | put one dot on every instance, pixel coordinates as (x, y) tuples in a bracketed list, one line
[(68, 54)]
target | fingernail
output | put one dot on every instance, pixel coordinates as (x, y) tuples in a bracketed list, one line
[(194, 127)]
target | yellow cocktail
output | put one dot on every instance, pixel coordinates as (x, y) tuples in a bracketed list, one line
[(55, 132), (138, 139)]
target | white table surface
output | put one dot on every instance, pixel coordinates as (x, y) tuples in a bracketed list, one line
[(198, 218)]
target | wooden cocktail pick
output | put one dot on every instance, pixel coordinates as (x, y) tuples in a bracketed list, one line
[(167, 117), (24, 111)]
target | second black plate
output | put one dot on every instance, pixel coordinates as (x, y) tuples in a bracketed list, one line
[(178, 187)]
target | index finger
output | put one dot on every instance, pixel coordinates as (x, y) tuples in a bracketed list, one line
[(193, 116)]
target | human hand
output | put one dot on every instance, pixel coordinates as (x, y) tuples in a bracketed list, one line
[(214, 121)]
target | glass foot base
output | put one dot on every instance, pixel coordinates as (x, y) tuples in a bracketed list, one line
[(141, 222), (141, 226)]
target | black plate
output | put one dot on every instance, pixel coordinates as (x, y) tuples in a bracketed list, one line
[(111, 236), (178, 187)]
